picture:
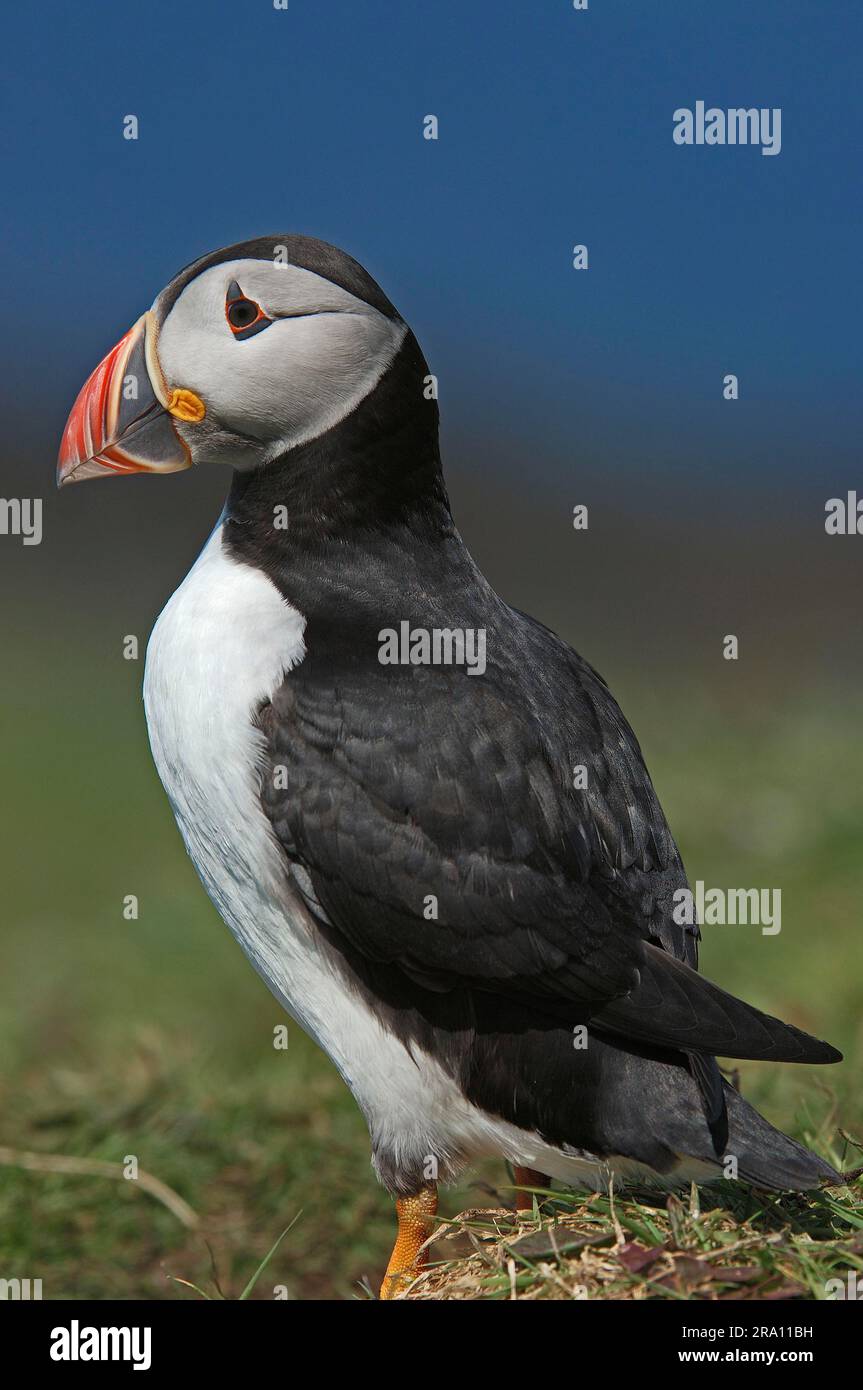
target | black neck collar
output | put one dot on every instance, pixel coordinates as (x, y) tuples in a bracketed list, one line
[(363, 501)]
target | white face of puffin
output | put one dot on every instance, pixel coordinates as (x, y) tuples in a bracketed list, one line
[(251, 359), (277, 354)]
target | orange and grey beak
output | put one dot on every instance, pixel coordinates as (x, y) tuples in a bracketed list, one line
[(122, 420)]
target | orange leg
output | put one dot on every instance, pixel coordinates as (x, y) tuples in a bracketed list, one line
[(416, 1216), (527, 1177)]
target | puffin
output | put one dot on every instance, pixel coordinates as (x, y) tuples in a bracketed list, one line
[(369, 755)]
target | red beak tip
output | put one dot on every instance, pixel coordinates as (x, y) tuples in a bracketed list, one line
[(105, 434)]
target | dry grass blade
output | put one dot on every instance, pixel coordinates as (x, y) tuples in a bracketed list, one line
[(100, 1168)]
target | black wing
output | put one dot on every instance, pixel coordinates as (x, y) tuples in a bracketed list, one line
[(498, 832)]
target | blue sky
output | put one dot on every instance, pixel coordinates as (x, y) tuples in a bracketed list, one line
[(555, 128)]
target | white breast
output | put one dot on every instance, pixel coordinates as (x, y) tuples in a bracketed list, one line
[(223, 644)]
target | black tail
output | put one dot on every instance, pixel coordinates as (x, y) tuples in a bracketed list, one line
[(655, 1111), (766, 1157), (673, 1006)]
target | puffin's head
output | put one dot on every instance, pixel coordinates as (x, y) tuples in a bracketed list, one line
[(249, 352)]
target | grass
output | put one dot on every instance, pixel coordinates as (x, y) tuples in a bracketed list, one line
[(719, 1243), (152, 1038)]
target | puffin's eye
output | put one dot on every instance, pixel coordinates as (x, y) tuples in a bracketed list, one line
[(242, 313), (245, 316)]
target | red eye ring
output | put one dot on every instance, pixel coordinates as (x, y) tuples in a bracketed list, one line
[(243, 314)]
